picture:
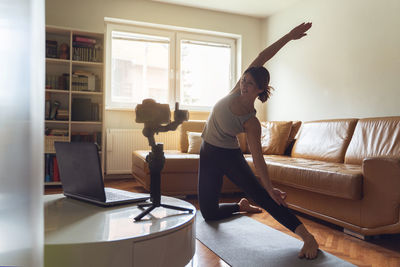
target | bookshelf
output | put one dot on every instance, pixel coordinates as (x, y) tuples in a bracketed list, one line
[(74, 105)]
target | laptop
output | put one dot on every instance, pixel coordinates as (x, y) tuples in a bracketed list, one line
[(82, 179)]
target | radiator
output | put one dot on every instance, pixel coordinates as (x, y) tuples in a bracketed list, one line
[(120, 144)]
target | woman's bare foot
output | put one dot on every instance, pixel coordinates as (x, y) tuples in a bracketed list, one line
[(310, 247), (244, 205)]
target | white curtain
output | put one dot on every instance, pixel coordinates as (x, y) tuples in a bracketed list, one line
[(22, 64)]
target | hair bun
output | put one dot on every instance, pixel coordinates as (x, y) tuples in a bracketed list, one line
[(261, 77)]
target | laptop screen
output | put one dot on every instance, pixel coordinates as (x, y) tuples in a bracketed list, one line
[(80, 169)]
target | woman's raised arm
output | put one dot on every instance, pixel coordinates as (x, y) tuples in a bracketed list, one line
[(265, 55), (295, 34)]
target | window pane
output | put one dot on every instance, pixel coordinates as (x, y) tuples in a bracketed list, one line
[(205, 73), (139, 68)]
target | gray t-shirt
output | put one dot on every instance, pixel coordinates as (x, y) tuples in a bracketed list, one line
[(222, 125)]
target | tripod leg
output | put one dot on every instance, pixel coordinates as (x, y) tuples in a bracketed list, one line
[(176, 208), (144, 213), (145, 205)]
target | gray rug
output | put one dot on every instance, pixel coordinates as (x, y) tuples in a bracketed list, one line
[(241, 241)]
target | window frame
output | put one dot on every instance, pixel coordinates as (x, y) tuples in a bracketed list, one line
[(205, 39), (138, 30), (175, 34)]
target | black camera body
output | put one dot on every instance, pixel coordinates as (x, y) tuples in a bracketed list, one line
[(151, 112), (153, 115)]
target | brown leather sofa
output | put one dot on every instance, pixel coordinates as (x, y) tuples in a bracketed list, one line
[(344, 171)]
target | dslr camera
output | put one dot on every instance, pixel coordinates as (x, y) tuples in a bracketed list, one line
[(154, 114)]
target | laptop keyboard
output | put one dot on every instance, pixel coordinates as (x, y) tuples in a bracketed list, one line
[(112, 196)]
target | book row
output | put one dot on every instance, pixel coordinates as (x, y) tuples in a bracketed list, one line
[(57, 81), (84, 82), (52, 173), (87, 54), (54, 112), (83, 109)]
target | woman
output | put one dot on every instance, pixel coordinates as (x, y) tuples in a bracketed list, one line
[(220, 153)]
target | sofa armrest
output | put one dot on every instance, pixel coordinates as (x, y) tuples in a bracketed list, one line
[(381, 191)]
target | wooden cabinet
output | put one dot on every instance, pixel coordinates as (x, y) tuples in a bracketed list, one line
[(74, 108)]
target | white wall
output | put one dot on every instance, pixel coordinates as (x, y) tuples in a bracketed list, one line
[(348, 66), (89, 15)]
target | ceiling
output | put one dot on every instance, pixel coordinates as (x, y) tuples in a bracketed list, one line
[(254, 8)]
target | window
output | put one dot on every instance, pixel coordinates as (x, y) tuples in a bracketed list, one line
[(194, 69), (139, 67)]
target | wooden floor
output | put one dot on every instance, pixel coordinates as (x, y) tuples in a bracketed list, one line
[(381, 252)]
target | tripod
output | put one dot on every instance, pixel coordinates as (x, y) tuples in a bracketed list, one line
[(156, 160)]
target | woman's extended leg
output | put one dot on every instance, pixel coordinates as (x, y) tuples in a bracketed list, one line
[(239, 172)]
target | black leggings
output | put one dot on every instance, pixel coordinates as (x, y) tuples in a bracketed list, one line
[(215, 162)]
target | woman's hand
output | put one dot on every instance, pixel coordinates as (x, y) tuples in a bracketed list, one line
[(300, 31), (278, 196)]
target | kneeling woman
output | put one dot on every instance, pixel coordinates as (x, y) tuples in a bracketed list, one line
[(220, 153)]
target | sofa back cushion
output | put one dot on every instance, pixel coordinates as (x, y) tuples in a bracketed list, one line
[(325, 140), (274, 136), (374, 137)]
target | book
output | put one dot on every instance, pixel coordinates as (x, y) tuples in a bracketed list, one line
[(56, 173), (81, 44), (57, 132), (62, 114), (47, 177), (95, 112), (47, 110), (84, 39), (51, 49), (54, 109), (63, 81), (51, 167)]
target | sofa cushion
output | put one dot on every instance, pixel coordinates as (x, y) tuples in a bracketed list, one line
[(189, 126), (328, 178), (274, 136), (175, 161), (194, 142), (325, 140), (374, 137)]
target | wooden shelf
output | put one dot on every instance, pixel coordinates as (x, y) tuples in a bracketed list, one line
[(57, 60), (86, 93), (57, 91), (87, 63), (52, 183), (87, 122), (56, 121)]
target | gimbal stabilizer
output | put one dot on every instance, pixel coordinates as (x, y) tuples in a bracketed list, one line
[(153, 115)]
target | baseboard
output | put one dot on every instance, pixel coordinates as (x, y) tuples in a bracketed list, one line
[(117, 176)]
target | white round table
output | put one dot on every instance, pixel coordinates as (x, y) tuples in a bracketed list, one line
[(81, 234)]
